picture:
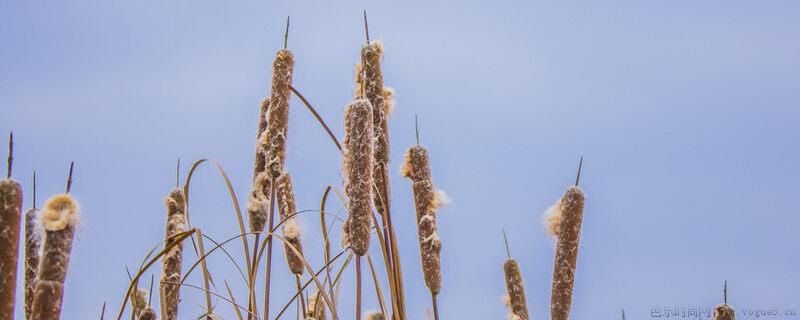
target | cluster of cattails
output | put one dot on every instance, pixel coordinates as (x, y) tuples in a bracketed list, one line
[(427, 200), (172, 260), (44, 274)]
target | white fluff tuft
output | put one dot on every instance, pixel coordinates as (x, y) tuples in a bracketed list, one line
[(552, 219), (440, 199)]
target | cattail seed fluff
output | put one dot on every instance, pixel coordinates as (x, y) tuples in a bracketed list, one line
[(568, 237), (724, 311), (274, 142), (417, 168), (517, 302), (357, 167), (172, 261), (31, 259), (59, 219), (287, 207), (10, 210)]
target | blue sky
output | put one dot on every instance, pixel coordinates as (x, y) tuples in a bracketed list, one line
[(685, 111)]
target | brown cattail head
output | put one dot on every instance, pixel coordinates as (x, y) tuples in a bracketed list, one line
[(147, 314), (287, 208), (375, 315), (516, 300), (173, 260), (274, 142), (258, 202), (59, 219), (417, 168), (32, 240), (357, 166), (369, 82), (724, 311), (10, 210), (316, 307), (568, 236)]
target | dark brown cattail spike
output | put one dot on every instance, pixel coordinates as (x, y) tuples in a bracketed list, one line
[(366, 26), (34, 189), (725, 292), (508, 251), (69, 177), (178, 173), (578, 176), (10, 210), (59, 219), (31, 254), (10, 154), (623, 314), (286, 34), (416, 127)]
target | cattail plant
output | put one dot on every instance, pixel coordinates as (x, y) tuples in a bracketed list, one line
[(724, 311), (10, 209), (564, 219), (169, 286), (59, 219), (357, 167), (417, 168), (287, 207), (273, 142), (358, 185), (515, 299), (31, 253)]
